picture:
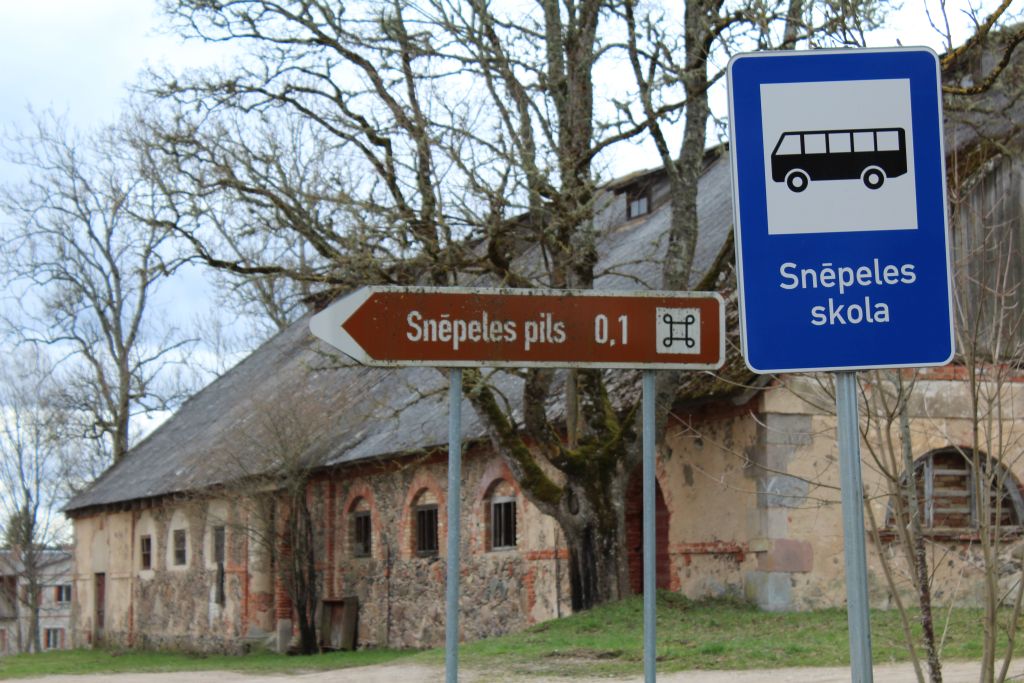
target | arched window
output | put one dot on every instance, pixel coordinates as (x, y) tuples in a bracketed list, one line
[(500, 510), (177, 546), (360, 528), (946, 492), (424, 524)]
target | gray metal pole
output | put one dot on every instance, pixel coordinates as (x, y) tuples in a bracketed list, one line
[(852, 493), (451, 631), (650, 674)]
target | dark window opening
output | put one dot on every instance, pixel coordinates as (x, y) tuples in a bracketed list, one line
[(361, 539), (218, 557), (100, 596), (146, 552), (180, 547), (503, 523), (218, 544), (62, 593), (638, 203), (426, 530), (8, 597)]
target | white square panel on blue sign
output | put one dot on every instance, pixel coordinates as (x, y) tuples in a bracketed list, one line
[(840, 209)]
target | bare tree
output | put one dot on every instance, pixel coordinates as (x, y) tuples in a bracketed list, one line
[(32, 456), (246, 179), (439, 189), (84, 269), (270, 471)]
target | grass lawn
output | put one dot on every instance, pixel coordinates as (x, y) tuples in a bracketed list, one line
[(126, 661), (701, 635), (606, 640)]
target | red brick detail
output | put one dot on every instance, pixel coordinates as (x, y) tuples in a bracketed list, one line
[(787, 555), (423, 481), (355, 493), (330, 536), (961, 373), (546, 554), (497, 471), (259, 603), (282, 602), (530, 583), (634, 535), (725, 548)]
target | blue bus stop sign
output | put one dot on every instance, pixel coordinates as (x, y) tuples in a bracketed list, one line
[(840, 209)]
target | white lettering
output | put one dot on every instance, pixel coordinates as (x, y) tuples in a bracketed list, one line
[(818, 315), (457, 331), (794, 281), (850, 314), (413, 320)]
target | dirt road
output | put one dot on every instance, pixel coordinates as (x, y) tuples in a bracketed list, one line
[(958, 672)]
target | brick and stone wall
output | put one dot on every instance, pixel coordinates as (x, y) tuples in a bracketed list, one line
[(748, 507), (401, 595)]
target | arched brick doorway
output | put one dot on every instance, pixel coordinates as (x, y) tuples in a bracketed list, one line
[(635, 534)]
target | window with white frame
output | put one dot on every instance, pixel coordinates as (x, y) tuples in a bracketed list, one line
[(503, 522), (62, 593), (638, 203), (53, 638)]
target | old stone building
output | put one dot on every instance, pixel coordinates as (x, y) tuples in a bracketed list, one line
[(52, 578), (168, 548)]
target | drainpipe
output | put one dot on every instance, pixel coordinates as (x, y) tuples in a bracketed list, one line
[(387, 593)]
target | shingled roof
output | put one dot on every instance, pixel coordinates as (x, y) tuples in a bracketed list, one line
[(373, 412)]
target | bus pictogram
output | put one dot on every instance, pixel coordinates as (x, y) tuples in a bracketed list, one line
[(868, 154)]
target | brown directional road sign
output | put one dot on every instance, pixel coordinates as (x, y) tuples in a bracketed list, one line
[(459, 327)]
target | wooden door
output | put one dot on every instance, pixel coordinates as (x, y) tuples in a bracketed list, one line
[(99, 622)]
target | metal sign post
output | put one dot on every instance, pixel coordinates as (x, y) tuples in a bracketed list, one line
[(457, 328), (451, 630), (855, 553), (649, 482)]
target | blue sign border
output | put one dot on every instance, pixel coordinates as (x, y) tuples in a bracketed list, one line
[(776, 328)]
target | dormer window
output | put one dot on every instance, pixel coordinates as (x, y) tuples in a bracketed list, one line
[(638, 203)]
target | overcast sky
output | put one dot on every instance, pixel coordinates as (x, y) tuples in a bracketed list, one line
[(76, 56)]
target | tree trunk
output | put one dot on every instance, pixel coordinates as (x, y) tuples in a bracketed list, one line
[(595, 556), (923, 579), (593, 522), (304, 578)]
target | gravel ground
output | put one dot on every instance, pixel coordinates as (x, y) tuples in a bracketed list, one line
[(958, 672)]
